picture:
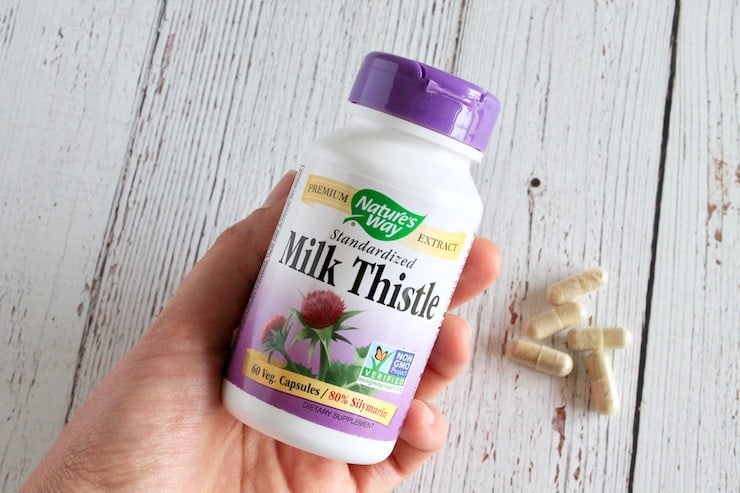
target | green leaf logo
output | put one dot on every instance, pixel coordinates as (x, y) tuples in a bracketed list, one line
[(381, 217)]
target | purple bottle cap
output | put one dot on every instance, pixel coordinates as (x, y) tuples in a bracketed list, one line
[(428, 97)]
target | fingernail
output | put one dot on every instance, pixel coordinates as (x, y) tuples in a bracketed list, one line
[(281, 189), (428, 414), (469, 332)]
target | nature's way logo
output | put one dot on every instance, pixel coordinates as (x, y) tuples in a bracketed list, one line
[(381, 217)]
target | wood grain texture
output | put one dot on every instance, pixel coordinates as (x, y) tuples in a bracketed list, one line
[(689, 427), (132, 133), (583, 89), (68, 88)]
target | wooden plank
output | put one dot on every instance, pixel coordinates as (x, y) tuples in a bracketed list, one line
[(68, 92), (237, 90), (569, 183), (689, 425)]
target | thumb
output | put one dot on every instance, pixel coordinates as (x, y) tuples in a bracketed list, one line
[(209, 303)]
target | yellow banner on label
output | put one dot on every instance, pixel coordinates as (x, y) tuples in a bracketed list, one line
[(426, 239), (257, 368), (328, 192), (435, 242)]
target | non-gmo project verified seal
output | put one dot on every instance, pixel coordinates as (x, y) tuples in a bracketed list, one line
[(385, 368)]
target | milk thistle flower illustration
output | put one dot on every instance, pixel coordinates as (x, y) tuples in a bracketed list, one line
[(274, 336), (322, 316), (273, 327), (320, 309)]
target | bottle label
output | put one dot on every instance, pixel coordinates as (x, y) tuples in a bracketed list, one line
[(349, 301)]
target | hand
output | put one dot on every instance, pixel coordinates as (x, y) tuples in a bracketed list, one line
[(156, 422)]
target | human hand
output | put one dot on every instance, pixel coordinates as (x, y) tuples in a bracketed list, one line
[(156, 422)]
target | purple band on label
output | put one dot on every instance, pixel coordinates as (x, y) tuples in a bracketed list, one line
[(317, 413)]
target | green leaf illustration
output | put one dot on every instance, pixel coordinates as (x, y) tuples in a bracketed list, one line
[(348, 314), (300, 369), (342, 374), (362, 353)]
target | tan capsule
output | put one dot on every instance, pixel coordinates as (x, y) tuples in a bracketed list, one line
[(599, 338), (539, 357), (575, 286), (551, 321), (603, 389)]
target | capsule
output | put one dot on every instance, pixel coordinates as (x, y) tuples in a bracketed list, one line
[(541, 358), (575, 286), (603, 389), (599, 338), (551, 321)]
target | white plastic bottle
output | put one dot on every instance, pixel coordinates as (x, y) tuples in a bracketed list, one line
[(363, 265)]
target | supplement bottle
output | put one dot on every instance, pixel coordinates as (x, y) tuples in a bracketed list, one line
[(363, 264)]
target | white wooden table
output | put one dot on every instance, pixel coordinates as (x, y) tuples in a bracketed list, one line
[(132, 132)]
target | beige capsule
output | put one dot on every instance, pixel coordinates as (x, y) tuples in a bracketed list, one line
[(556, 319), (603, 389), (599, 338), (539, 357), (575, 286)]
